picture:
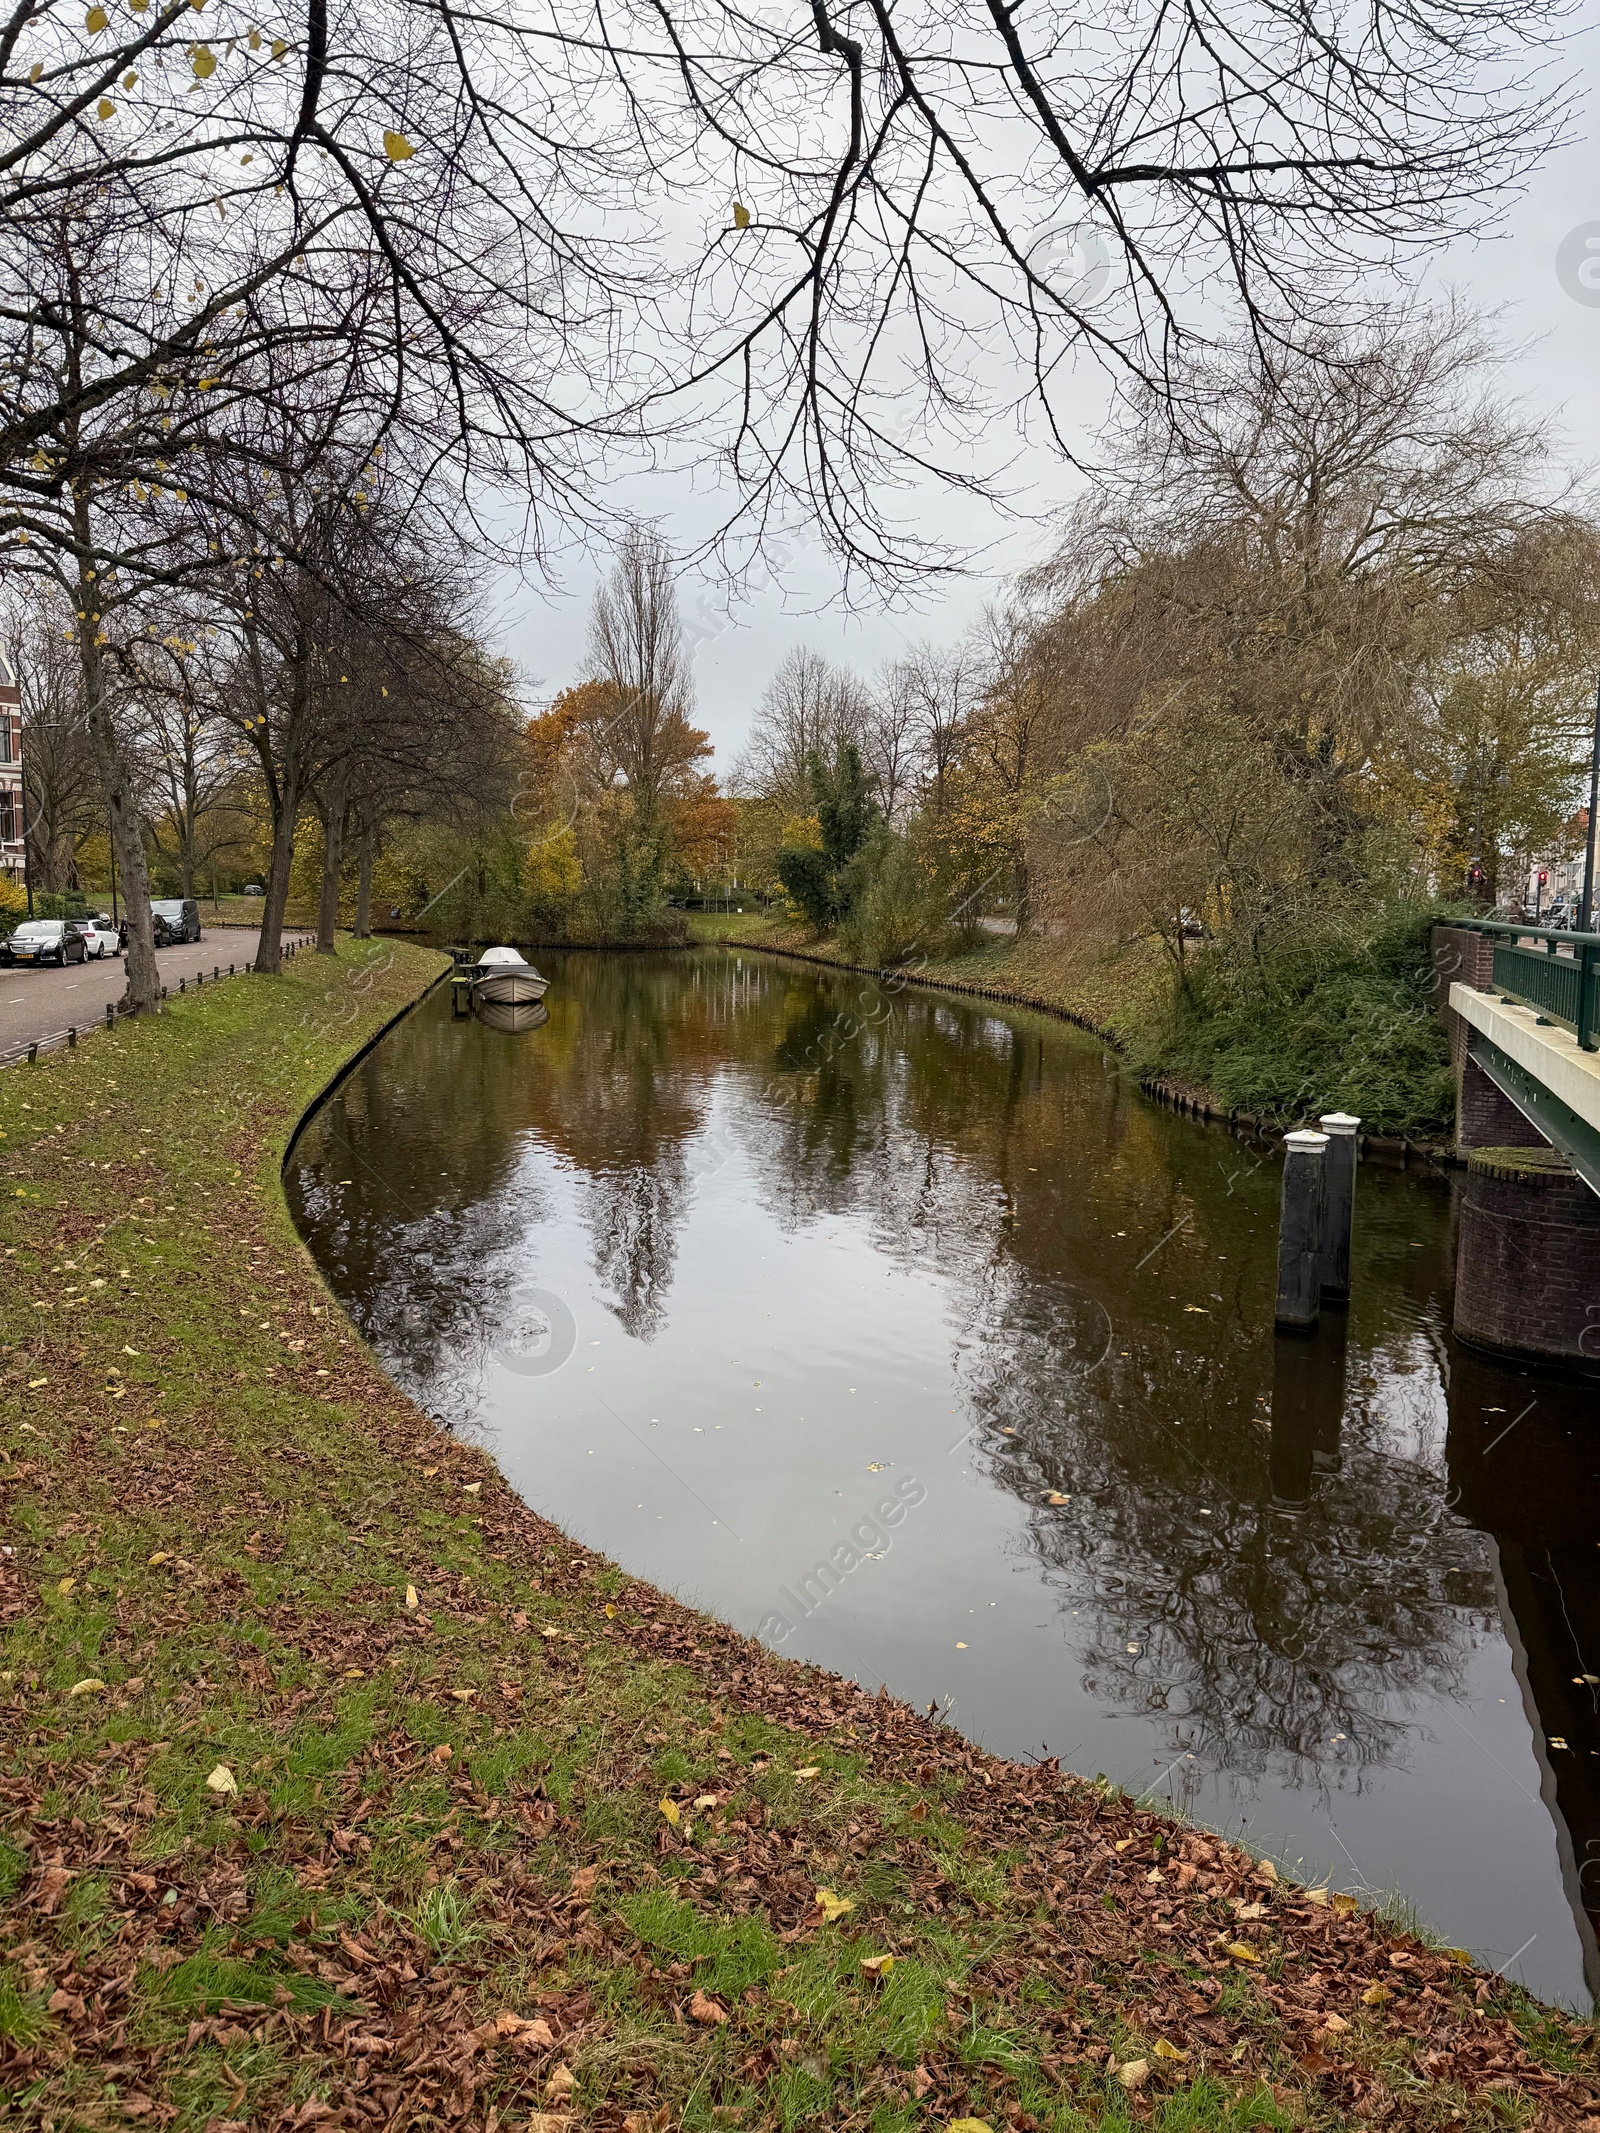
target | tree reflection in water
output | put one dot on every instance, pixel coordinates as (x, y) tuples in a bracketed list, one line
[(1255, 1544)]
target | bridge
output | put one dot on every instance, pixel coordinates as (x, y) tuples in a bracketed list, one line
[(1524, 1021)]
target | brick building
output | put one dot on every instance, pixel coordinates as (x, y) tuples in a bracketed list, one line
[(11, 818)]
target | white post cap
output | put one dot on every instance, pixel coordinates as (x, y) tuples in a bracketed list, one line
[(1305, 1142), (1338, 1122)]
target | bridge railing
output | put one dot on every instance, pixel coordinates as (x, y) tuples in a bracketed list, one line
[(1557, 973)]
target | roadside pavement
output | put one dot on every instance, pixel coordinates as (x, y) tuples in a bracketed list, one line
[(40, 1006)]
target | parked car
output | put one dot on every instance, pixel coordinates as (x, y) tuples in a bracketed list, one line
[(45, 940), (176, 918), (101, 939), (254, 888)]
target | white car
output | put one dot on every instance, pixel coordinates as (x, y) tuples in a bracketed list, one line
[(98, 940)]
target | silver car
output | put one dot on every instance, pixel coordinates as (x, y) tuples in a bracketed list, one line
[(100, 940)]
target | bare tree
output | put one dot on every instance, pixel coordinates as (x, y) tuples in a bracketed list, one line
[(65, 803), (190, 760), (1268, 645), (636, 646), (891, 739), (941, 687), (907, 210), (807, 708)]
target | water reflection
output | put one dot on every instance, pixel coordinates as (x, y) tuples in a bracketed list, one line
[(817, 1242), (1524, 1463), (1308, 1391)]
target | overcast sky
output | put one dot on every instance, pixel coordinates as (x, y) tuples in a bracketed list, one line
[(1558, 375)]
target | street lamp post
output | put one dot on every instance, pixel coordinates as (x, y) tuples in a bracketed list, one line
[(1586, 909), (27, 864)]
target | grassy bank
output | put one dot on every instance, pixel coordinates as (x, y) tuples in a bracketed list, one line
[(342, 1790)]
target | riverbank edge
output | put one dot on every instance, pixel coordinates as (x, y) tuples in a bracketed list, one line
[(1198, 1104), (1091, 1884)]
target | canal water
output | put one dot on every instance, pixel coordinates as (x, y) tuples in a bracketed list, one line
[(899, 1330)]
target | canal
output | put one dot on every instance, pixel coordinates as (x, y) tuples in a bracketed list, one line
[(901, 1331)]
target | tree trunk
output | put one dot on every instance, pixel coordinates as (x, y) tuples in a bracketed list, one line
[(269, 954), (332, 860), (143, 979), (364, 889)]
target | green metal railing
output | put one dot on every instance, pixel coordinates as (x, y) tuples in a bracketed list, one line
[(1560, 976)]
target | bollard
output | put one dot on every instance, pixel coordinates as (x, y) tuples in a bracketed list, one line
[(180, 984), (1338, 1205), (33, 1055), (217, 972), (111, 1015), (72, 1040), (1300, 1231)]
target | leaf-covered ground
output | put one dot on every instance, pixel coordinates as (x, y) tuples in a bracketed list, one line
[(341, 1790)]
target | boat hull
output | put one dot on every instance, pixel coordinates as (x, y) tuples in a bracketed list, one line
[(507, 987)]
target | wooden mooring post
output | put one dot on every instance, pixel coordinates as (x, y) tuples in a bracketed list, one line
[(1338, 1203), (1300, 1231)]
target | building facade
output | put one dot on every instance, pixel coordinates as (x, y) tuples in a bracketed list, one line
[(11, 815)]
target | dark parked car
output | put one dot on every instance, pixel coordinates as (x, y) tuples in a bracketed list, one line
[(176, 918), (45, 940)]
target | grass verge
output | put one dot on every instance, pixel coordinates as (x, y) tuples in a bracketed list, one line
[(342, 1790)]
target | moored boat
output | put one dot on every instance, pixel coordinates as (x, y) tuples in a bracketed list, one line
[(501, 977)]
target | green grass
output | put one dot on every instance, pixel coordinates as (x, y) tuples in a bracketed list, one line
[(1348, 1024), (307, 1845)]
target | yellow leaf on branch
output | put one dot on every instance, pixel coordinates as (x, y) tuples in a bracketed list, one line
[(105, 108), (96, 20), (741, 215), (395, 146)]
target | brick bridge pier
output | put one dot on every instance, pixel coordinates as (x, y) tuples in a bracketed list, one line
[(1522, 1007)]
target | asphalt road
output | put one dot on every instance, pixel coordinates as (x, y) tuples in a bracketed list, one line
[(37, 1005)]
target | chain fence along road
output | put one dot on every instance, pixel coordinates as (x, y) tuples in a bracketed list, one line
[(40, 1007)]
